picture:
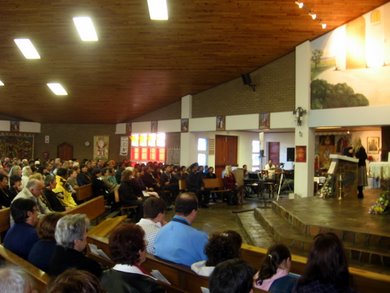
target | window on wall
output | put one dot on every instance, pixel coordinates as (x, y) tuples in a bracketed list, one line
[(202, 151), (255, 155), (146, 147)]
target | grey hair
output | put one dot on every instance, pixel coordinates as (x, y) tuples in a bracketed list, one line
[(70, 228), (14, 280), (32, 183)]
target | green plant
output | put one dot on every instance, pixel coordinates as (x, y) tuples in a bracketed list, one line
[(381, 205)]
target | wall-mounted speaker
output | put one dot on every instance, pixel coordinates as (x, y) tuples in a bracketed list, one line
[(246, 79)]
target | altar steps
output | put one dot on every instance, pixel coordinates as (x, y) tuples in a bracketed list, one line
[(285, 226)]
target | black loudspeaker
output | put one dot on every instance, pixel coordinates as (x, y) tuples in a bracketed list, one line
[(290, 154), (246, 79)]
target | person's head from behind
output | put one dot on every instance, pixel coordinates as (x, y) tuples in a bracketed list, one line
[(47, 226), (278, 257), (71, 231), (127, 244), (186, 204), (154, 208), (223, 246), (327, 261), (62, 172), (24, 210), (231, 276), (73, 280), (13, 279)]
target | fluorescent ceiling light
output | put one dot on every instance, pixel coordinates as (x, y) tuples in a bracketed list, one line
[(57, 89), (27, 48), (158, 9), (1, 83), (85, 28)]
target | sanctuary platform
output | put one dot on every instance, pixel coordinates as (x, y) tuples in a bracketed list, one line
[(295, 222)]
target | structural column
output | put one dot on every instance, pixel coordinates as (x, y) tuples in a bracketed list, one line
[(187, 139), (304, 135)]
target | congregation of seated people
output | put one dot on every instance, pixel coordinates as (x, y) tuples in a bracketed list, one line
[(56, 243)]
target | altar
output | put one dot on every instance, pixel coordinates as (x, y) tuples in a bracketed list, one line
[(380, 171)]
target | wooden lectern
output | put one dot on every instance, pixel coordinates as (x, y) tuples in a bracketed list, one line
[(344, 170)]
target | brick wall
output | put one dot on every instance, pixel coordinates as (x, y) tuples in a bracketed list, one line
[(275, 92)]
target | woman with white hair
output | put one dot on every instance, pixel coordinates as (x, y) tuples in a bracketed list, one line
[(13, 279), (71, 238)]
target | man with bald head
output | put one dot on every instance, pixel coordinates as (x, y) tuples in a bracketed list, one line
[(177, 241)]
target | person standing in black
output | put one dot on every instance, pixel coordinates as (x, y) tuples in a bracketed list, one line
[(360, 153), (194, 182)]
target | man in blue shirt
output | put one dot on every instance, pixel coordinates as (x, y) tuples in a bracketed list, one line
[(22, 235), (177, 241)]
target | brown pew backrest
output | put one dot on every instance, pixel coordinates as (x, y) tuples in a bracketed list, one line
[(4, 220), (84, 193), (93, 208), (178, 275), (39, 277), (213, 183)]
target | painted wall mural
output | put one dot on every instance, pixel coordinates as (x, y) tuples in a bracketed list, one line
[(350, 66)]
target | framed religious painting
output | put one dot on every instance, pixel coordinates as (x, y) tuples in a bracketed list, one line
[(373, 145)]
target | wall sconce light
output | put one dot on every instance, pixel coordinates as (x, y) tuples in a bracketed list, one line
[(298, 113)]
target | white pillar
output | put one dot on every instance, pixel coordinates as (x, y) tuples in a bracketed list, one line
[(187, 139), (304, 136)]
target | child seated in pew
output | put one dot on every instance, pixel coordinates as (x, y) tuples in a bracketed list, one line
[(274, 274), (231, 276), (220, 247), (15, 280)]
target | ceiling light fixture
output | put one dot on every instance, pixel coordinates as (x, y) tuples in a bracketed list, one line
[(158, 9), (300, 4), (1, 83), (85, 28), (57, 89), (313, 15), (27, 48)]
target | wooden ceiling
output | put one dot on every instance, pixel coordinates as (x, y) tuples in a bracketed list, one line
[(139, 65)]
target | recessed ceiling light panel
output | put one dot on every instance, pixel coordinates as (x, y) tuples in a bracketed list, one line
[(27, 48), (158, 9), (85, 28), (1, 83), (57, 89)]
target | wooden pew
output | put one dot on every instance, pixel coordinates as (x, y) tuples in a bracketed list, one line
[(363, 280), (178, 275), (4, 222), (182, 185), (84, 193), (93, 208), (215, 185), (40, 278)]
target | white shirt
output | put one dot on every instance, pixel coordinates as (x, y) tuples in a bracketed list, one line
[(151, 229)]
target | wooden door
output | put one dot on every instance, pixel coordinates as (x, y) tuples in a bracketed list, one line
[(65, 151), (274, 152), (225, 152)]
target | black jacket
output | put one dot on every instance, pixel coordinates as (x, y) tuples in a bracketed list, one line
[(121, 282), (66, 258)]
